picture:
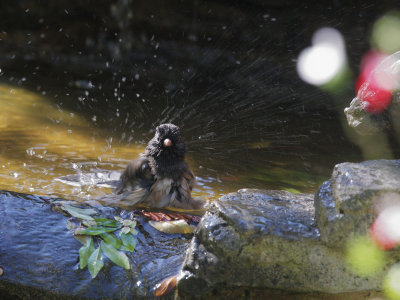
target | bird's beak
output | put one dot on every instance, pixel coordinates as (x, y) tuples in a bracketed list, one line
[(167, 143)]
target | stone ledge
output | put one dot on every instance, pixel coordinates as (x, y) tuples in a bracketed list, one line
[(269, 240)]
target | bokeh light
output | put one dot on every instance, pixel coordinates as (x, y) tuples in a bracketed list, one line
[(364, 257), (386, 229), (380, 76), (386, 33), (391, 283), (321, 62)]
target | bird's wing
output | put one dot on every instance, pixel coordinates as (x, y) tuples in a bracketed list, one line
[(137, 175), (134, 197), (189, 177)]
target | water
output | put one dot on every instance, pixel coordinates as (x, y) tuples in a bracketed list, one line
[(85, 96), (60, 123)]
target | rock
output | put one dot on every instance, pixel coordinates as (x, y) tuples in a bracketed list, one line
[(345, 204), (270, 239), (39, 255), (363, 122)]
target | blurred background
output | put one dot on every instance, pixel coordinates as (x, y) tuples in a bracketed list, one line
[(257, 87)]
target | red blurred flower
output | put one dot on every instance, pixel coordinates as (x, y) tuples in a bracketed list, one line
[(374, 88)]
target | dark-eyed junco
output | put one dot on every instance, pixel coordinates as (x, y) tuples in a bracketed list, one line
[(160, 177)]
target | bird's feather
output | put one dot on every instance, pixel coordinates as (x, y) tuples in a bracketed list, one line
[(160, 177)]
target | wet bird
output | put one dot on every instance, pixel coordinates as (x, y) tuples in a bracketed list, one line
[(160, 177)]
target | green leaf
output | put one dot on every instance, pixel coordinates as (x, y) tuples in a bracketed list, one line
[(95, 263), (117, 257), (88, 223), (134, 231), (81, 238), (84, 253), (79, 213), (111, 239), (97, 230), (129, 241), (107, 222), (123, 248)]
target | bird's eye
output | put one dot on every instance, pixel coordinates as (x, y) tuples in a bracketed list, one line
[(167, 143)]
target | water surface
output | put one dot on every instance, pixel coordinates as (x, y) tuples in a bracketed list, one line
[(56, 122)]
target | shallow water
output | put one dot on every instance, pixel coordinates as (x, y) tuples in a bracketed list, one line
[(61, 126)]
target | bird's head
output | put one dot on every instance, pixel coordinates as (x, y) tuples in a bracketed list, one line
[(167, 144)]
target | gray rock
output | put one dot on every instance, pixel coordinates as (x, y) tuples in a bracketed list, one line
[(344, 205), (40, 256), (270, 239), (363, 122)]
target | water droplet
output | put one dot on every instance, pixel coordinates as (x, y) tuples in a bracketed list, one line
[(30, 151)]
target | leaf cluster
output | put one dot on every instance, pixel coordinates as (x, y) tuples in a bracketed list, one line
[(113, 238)]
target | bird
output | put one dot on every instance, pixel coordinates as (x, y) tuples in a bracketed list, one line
[(160, 177)]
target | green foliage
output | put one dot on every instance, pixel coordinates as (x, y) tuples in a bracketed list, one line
[(107, 222), (79, 213), (129, 241), (96, 230), (95, 263), (85, 252), (111, 239), (117, 257), (103, 232)]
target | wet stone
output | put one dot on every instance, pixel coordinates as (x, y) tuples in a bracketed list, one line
[(362, 121), (345, 204), (367, 124), (258, 212), (39, 255), (275, 240)]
